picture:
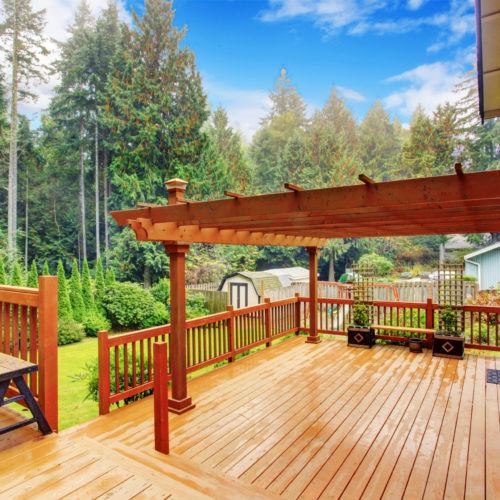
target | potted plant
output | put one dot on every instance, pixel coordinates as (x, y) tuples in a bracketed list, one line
[(448, 341), (360, 334)]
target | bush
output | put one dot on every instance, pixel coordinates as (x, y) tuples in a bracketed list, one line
[(161, 291), (196, 306), (69, 331), (95, 322), (128, 305), (381, 265)]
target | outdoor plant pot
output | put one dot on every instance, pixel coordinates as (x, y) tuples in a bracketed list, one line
[(448, 346), (415, 345), (360, 336)]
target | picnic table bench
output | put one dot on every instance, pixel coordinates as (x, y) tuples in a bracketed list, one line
[(429, 332), (12, 370)]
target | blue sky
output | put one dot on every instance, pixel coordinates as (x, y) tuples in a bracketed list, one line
[(404, 52)]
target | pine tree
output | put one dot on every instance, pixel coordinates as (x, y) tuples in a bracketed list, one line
[(33, 275), (16, 278), (22, 41), (110, 277), (64, 304), (45, 271), (99, 284), (88, 296), (75, 293), (3, 279)]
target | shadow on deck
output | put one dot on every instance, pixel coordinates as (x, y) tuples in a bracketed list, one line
[(295, 420)]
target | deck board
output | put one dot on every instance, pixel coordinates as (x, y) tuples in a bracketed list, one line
[(294, 421)]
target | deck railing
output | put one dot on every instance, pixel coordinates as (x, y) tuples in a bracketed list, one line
[(126, 360), (28, 330)]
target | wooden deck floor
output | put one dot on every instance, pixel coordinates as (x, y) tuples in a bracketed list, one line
[(297, 421)]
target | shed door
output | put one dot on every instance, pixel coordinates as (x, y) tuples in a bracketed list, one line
[(239, 294)]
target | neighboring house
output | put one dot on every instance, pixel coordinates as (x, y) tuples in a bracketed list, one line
[(484, 264), (455, 247), (289, 275), (245, 289)]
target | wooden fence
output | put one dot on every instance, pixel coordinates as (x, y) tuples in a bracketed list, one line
[(126, 361), (215, 301), (28, 330)]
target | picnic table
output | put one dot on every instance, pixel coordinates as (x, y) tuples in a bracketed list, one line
[(12, 371)]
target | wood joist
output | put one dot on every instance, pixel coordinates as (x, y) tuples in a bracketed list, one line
[(467, 203)]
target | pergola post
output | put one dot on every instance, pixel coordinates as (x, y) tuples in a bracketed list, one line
[(313, 337), (179, 402)]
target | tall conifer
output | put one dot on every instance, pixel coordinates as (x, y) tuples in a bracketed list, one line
[(33, 275), (64, 303), (75, 293), (88, 296)]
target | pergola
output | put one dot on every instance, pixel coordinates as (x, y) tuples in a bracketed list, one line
[(460, 203)]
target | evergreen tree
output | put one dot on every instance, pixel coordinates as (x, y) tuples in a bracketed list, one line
[(379, 145), (88, 296), (45, 271), (295, 163), (3, 279), (33, 275), (75, 293), (16, 278), (99, 284), (22, 42), (64, 305), (110, 277)]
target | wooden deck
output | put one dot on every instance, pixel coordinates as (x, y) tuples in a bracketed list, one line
[(297, 421)]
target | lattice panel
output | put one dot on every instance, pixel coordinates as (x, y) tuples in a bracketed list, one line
[(363, 285), (451, 289)]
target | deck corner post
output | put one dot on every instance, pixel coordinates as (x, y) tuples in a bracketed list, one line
[(313, 337), (297, 313), (230, 326), (47, 345), (267, 311), (429, 320), (180, 402), (104, 373), (160, 352)]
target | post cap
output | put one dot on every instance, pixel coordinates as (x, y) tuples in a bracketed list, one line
[(178, 184)]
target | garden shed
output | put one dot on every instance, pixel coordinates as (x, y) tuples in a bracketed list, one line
[(484, 264), (245, 288), (290, 275)]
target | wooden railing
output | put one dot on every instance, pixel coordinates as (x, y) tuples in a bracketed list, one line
[(126, 361), (28, 330)]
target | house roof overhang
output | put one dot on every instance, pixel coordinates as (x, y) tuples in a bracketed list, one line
[(462, 203), (488, 56)]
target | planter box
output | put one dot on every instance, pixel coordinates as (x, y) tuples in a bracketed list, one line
[(360, 336), (448, 346)]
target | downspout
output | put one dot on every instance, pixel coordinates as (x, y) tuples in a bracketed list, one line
[(478, 271)]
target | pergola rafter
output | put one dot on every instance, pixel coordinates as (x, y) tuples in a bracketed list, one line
[(461, 203)]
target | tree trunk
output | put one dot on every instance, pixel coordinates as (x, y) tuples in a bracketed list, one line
[(147, 277), (97, 239), (12, 194), (331, 266), (106, 194), (82, 189)]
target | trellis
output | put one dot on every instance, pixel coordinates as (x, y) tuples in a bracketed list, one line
[(451, 290), (363, 285)]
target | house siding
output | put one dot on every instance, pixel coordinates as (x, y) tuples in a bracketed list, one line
[(490, 268)]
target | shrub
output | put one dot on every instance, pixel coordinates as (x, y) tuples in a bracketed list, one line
[(75, 293), (33, 276), (64, 305), (88, 296), (360, 314), (196, 306), (467, 277), (110, 277), (381, 265), (69, 331), (95, 322), (129, 305), (45, 270), (17, 275), (161, 291)]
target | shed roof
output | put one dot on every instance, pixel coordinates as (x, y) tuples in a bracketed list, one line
[(489, 248), (287, 275), (271, 282)]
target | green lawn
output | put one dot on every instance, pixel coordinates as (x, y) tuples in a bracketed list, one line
[(73, 408)]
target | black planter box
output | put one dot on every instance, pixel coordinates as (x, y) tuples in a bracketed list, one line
[(448, 346), (360, 336)]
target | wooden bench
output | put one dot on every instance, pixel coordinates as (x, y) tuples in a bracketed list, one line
[(429, 333), (11, 371)]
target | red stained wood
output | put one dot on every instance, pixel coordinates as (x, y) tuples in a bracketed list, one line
[(161, 397)]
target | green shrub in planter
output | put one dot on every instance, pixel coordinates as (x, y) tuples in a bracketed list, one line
[(69, 331), (128, 305), (95, 322)]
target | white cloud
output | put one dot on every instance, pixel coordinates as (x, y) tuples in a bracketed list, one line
[(245, 108), (428, 85), (415, 4), (351, 94)]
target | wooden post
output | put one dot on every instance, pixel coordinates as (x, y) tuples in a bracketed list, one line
[(160, 351), (297, 313), (179, 402), (313, 337), (267, 311), (429, 321), (47, 349), (230, 325), (104, 375)]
